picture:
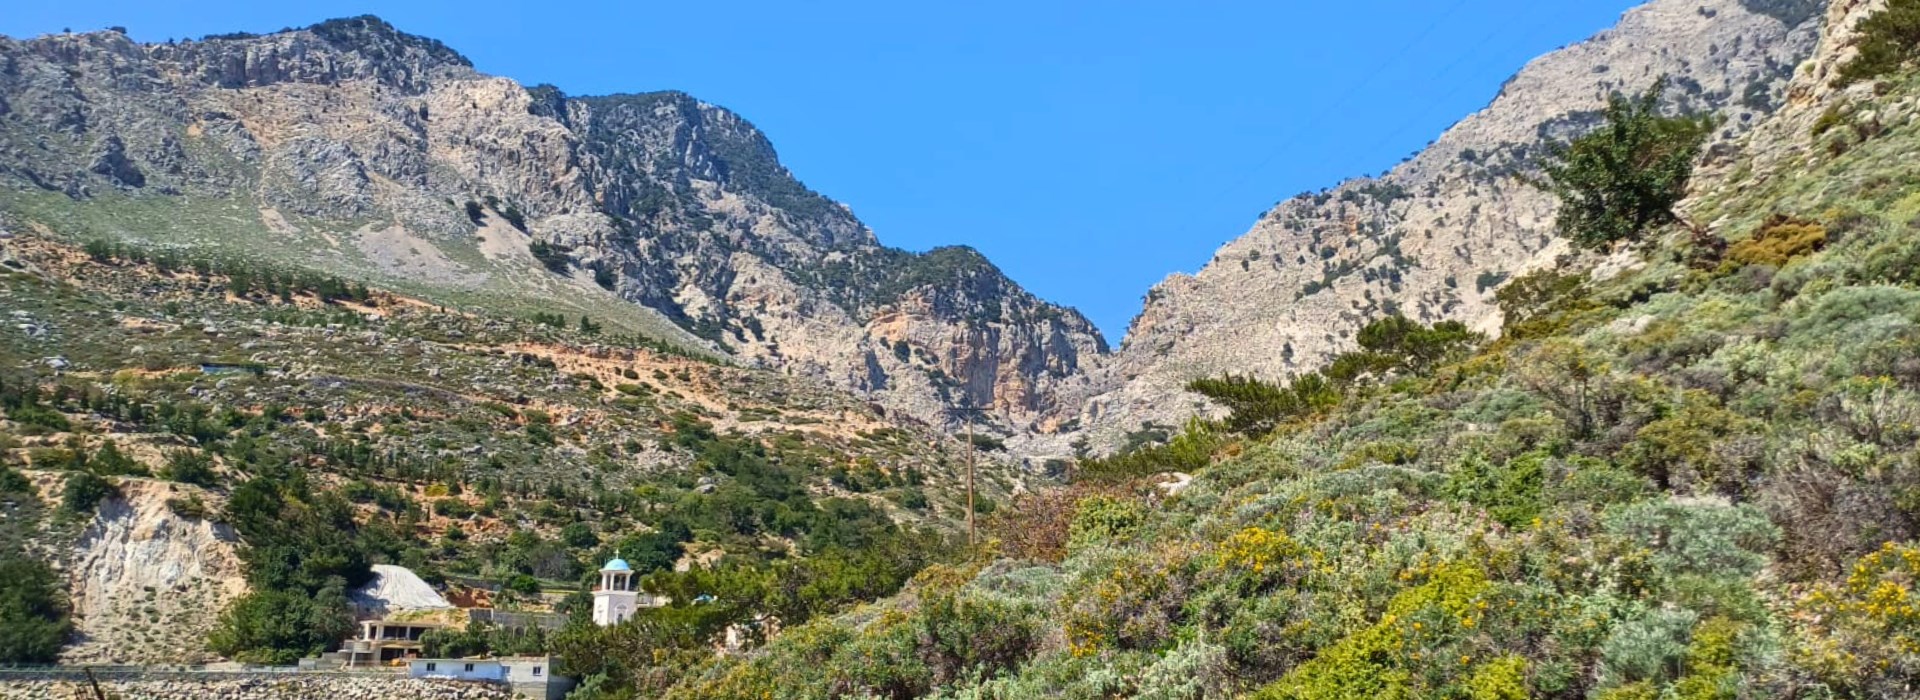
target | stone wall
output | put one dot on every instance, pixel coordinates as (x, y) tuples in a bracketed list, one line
[(291, 687)]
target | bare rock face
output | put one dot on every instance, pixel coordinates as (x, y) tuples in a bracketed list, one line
[(1789, 138), (725, 239), (1434, 237), (357, 142), (147, 583)]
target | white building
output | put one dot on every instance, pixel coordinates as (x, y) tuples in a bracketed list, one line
[(457, 669), (527, 676), (616, 598)]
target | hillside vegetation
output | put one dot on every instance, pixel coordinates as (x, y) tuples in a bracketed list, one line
[(1686, 467), (334, 426), (1694, 478)]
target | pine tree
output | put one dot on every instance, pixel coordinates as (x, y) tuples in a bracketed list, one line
[(1625, 177)]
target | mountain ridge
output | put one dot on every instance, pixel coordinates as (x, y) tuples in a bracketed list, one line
[(386, 156), (1436, 235)]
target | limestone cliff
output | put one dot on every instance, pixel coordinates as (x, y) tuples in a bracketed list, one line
[(1434, 237), (356, 149)]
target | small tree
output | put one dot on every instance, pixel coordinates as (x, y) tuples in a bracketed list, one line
[(1257, 407), (189, 467), (83, 491), (33, 611), (110, 461), (1626, 176), (1411, 346)]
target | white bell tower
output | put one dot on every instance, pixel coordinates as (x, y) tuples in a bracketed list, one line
[(614, 601)]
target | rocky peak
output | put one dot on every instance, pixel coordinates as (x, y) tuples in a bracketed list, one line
[(365, 148), (377, 40), (1437, 235), (328, 53), (669, 138)]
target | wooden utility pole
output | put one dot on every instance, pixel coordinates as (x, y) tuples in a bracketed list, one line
[(969, 414), (970, 536), (94, 683)]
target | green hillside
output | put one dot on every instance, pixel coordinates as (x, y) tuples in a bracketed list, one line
[(1697, 478), (334, 426)]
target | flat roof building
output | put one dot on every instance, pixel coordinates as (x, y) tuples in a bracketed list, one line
[(527, 676)]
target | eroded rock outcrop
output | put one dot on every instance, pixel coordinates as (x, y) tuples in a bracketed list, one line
[(147, 583)]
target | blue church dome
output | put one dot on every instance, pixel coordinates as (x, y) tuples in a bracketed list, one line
[(617, 565)]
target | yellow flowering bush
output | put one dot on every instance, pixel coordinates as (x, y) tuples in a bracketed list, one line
[(1398, 656), (1135, 605), (1878, 595), (1504, 678), (1262, 557), (1868, 625)]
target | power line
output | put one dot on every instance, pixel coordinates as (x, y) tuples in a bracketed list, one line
[(1458, 87), (1353, 90), (1340, 103)]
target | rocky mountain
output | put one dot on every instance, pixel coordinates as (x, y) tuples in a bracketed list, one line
[(1434, 237), (1720, 414), (356, 149)]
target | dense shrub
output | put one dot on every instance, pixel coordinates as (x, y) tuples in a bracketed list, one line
[(1542, 303), (1650, 648), (1100, 520), (110, 461), (1037, 526), (1703, 538), (279, 626), (1136, 604), (1625, 177), (33, 611), (1857, 314), (452, 508), (1256, 559), (1189, 451), (12, 481), (1684, 448), (1382, 660), (83, 491), (1781, 239), (190, 467), (1511, 492), (966, 637)]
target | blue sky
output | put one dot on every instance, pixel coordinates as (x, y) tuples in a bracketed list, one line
[(1088, 148)]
